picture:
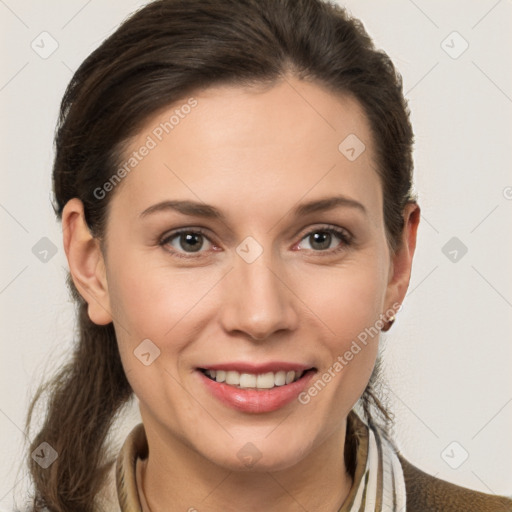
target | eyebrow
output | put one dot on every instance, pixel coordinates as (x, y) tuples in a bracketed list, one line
[(207, 211)]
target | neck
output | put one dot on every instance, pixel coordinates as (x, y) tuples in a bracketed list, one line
[(179, 476)]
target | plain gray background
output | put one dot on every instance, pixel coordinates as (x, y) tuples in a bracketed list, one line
[(448, 356)]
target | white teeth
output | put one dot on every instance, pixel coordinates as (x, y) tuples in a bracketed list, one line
[(250, 380), (280, 378), (211, 373), (265, 381), (233, 378)]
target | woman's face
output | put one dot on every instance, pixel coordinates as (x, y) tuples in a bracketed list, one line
[(282, 266)]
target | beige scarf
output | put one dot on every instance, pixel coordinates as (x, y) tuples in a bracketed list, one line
[(382, 487)]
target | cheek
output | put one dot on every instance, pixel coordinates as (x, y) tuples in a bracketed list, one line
[(346, 300), (349, 304), (157, 301), (146, 306), (139, 293)]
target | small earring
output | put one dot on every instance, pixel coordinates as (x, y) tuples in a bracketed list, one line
[(389, 324)]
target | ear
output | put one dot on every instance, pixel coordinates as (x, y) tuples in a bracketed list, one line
[(401, 260), (86, 262)]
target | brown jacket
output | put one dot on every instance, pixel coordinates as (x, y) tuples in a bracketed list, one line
[(425, 493)]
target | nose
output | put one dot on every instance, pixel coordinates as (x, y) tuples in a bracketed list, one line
[(257, 300)]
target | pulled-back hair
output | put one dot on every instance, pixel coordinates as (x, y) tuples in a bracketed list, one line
[(163, 53)]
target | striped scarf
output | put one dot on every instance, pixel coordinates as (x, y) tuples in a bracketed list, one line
[(382, 486)]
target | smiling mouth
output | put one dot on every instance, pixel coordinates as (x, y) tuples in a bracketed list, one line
[(261, 381)]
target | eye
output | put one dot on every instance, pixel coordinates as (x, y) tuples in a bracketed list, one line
[(325, 239), (186, 241)]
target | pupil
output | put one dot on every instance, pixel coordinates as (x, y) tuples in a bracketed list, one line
[(323, 239), (195, 241)]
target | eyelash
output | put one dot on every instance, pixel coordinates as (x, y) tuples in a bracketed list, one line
[(342, 234)]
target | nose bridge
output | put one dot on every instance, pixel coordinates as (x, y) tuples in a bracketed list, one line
[(256, 301)]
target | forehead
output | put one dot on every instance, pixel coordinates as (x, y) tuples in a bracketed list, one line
[(247, 148)]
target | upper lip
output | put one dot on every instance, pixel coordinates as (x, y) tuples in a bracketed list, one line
[(271, 366)]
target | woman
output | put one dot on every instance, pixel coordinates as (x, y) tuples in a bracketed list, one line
[(234, 180)]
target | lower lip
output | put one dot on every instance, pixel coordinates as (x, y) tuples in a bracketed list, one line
[(256, 401)]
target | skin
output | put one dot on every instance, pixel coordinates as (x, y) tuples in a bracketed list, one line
[(254, 154)]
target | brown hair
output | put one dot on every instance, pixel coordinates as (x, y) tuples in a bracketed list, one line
[(167, 50)]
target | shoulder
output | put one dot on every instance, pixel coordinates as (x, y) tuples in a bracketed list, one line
[(426, 493)]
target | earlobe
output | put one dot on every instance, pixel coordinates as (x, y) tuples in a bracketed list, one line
[(86, 262), (401, 261)]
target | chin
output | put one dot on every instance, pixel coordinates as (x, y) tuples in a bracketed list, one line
[(258, 456)]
